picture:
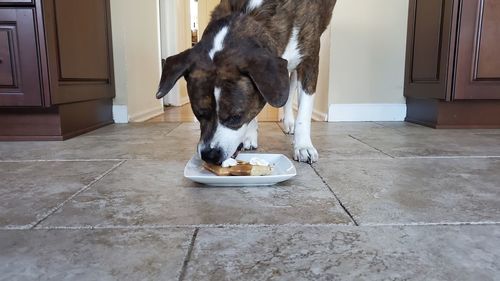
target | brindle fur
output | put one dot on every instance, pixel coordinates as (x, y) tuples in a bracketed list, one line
[(272, 25), (249, 69)]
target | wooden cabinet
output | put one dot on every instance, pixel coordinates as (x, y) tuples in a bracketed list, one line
[(19, 79), (453, 63), (56, 71), (478, 51), (19, 2)]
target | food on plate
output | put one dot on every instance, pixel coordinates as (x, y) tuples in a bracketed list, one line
[(256, 167)]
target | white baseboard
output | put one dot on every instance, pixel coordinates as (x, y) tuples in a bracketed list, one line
[(146, 114), (319, 116), (366, 112), (120, 114)]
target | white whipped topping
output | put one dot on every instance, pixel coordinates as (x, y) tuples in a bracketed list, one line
[(229, 163), (259, 162)]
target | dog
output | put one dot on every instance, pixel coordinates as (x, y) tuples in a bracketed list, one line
[(252, 52)]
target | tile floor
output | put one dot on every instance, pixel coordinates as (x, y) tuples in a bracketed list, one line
[(386, 201)]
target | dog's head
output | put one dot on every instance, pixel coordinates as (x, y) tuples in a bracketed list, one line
[(227, 88)]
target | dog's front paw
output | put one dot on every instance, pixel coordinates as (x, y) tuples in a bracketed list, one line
[(251, 137), (250, 144), (289, 126), (251, 141), (305, 153)]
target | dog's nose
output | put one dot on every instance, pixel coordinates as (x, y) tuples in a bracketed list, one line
[(212, 155)]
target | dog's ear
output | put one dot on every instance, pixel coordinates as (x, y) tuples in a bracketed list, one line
[(174, 68), (270, 75)]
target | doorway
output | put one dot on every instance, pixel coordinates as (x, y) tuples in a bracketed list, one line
[(182, 24)]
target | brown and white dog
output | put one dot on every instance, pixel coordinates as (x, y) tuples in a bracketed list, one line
[(253, 52)]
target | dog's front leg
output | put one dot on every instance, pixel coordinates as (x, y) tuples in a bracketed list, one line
[(252, 135), (304, 150), (289, 119), (307, 76)]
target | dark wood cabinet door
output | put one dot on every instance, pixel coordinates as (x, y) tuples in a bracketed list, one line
[(79, 49), (16, 2), (478, 57), (19, 68), (429, 48)]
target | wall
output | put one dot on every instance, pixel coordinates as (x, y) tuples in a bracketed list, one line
[(321, 103), (137, 61), (367, 61), (175, 34), (205, 8)]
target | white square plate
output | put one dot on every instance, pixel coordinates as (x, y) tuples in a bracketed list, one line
[(283, 169)]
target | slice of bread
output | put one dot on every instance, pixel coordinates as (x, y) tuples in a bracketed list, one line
[(218, 170)]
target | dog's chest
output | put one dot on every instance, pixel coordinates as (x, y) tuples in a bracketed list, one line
[(292, 51)]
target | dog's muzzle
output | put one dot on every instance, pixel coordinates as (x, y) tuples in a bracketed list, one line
[(216, 155)]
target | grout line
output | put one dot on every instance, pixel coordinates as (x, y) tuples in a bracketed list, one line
[(336, 197), (176, 127), (379, 150), (188, 255), (431, 224), (173, 226), (396, 129), (85, 188), (448, 157), (15, 227), (241, 226), (60, 160), (380, 124)]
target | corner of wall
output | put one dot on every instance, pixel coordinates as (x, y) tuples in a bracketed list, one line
[(368, 42), (137, 60)]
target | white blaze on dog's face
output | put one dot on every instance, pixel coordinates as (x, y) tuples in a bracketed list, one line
[(229, 81), (225, 140), (254, 4)]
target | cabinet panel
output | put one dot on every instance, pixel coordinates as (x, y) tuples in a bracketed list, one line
[(82, 43), (427, 40), (488, 64), (16, 2), (19, 71), (7, 70), (429, 48), (79, 49), (478, 59)]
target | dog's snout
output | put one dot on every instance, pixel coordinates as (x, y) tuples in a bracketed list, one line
[(212, 155)]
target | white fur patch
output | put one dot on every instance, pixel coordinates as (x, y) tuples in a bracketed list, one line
[(199, 149), (252, 135), (304, 115), (292, 53), (254, 4), (289, 119), (304, 150), (217, 92), (228, 139), (218, 42)]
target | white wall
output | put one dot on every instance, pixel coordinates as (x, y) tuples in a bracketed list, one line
[(361, 67), (175, 30), (321, 103), (205, 8), (368, 44), (137, 62)]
